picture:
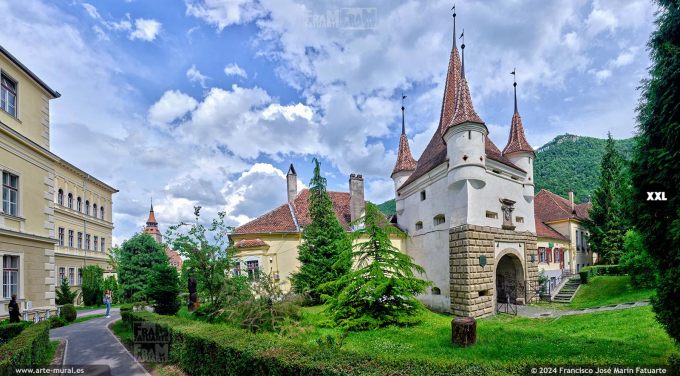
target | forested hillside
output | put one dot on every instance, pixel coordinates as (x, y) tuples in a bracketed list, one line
[(567, 163)]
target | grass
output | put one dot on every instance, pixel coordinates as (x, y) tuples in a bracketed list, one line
[(123, 332), (629, 336)]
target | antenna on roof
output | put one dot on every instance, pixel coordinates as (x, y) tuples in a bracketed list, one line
[(454, 25), (514, 85), (462, 46), (403, 127)]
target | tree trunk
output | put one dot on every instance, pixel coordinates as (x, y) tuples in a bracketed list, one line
[(464, 331)]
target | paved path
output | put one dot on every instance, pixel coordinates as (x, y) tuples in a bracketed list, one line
[(91, 343), (539, 312)]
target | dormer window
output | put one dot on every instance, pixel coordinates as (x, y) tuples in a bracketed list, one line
[(423, 196), (439, 219), (8, 95), (419, 225)]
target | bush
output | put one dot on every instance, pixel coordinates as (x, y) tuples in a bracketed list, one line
[(584, 276), (92, 285), (637, 262), (233, 351), (110, 283), (597, 270), (163, 289), (57, 322), (29, 349), (10, 330), (68, 312), (125, 311), (64, 293)]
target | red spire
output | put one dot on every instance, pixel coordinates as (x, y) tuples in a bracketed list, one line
[(464, 111), (151, 221), (450, 90), (517, 142), (405, 161)]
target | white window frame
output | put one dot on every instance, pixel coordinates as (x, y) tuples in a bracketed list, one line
[(71, 276), (71, 236), (88, 238), (4, 96), (103, 245), (95, 243), (17, 211), (61, 273), (20, 276), (60, 236)]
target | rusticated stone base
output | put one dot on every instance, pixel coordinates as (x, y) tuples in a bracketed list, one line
[(473, 287)]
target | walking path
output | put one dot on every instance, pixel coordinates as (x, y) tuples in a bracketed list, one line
[(538, 312), (92, 343)]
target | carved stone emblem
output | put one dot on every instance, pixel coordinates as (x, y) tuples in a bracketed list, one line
[(507, 206)]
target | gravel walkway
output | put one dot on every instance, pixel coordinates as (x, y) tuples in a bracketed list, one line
[(538, 312)]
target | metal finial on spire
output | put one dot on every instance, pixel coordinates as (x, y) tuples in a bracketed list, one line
[(454, 25), (151, 203), (462, 46), (514, 85), (403, 126)]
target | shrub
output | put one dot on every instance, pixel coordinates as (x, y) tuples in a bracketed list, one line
[(125, 311), (110, 283), (64, 293), (584, 276), (10, 330), (57, 322), (233, 351), (28, 349), (163, 289), (68, 312), (92, 285), (637, 262)]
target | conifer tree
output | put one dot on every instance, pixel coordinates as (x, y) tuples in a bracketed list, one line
[(607, 215), (136, 257), (655, 166), (64, 293), (382, 287), (323, 243)]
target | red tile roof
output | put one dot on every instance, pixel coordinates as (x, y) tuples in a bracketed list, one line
[(450, 91), (280, 220), (516, 141), (250, 243), (551, 207), (405, 161), (464, 111), (174, 258), (545, 231)]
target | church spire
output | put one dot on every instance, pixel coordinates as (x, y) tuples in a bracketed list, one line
[(405, 161), (151, 221), (517, 142)]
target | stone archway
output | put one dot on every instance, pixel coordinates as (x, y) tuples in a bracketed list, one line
[(509, 277)]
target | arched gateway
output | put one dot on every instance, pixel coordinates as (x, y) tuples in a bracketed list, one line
[(509, 278)]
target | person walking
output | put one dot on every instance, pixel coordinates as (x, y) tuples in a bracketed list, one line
[(14, 309), (107, 301)]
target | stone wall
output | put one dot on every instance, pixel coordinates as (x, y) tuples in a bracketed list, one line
[(472, 286)]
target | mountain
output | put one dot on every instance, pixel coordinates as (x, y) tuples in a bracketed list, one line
[(567, 163)]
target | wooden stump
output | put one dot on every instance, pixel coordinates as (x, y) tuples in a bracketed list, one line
[(464, 331)]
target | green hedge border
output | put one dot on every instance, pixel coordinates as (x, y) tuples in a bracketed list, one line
[(29, 349), (207, 349), (10, 330), (597, 270)]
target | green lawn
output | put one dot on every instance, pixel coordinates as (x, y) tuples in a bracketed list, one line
[(98, 306), (614, 337), (602, 291), (123, 332)]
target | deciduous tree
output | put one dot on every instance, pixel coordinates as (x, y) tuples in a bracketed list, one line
[(136, 257)]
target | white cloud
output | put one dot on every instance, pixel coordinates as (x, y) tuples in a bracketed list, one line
[(288, 112), (145, 29), (600, 20), (92, 11), (223, 13), (194, 75), (625, 57), (171, 106), (235, 70)]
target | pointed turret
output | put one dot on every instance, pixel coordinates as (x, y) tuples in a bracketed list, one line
[(152, 226), (464, 111), (151, 221), (405, 161), (517, 142), (451, 85)]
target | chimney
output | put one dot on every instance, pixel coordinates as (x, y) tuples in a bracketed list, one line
[(571, 200), (291, 180), (356, 196)]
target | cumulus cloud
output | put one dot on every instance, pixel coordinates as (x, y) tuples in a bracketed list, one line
[(145, 29), (234, 70), (194, 75), (171, 106), (223, 13), (140, 28)]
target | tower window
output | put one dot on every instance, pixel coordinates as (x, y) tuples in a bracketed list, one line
[(469, 135), (519, 219), (423, 196), (419, 225), (439, 219), (491, 215)]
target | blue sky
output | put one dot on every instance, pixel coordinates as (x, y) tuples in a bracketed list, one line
[(207, 102)]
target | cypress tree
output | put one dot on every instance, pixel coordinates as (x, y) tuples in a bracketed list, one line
[(607, 216), (655, 166), (324, 242)]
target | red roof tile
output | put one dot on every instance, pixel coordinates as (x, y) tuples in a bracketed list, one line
[(464, 111), (516, 141), (450, 90), (174, 258), (281, 220), (405, 161), (545, 231), (250, 243), (551, 207)]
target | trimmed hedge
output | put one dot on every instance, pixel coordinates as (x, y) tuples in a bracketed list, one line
[(68, 312), (211, 349), (11, 330), (596, 270), (28, 349)]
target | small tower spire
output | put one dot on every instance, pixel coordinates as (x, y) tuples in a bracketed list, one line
[(462, 47), (403, 125), (514, 85), (454, 25)]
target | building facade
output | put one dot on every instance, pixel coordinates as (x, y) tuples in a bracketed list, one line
[(468, 208), (34, 227)]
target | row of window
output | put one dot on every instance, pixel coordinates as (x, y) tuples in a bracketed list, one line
[(548, 255), (96, 244), (581, 241), (71, 276), (8, 95), (10, 194), (437, 220), (79, 204)]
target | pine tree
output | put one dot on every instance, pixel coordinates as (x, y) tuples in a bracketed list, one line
[(607, 216), (323, 243), (64, 293), (655, 166), (136, 257), (381, 289)]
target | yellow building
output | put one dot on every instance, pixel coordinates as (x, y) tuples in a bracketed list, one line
[(31, 245)]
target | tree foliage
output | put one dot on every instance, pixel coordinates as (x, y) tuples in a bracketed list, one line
[(92, 285), (655, 166), (637, 262), (163, 289), (608, 219), (136, 257), (208, 257), (110, 283), (324, 240), (64, 293), (381, 288)]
